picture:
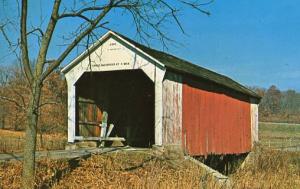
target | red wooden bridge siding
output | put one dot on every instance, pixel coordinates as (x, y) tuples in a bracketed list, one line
[(215, 119)]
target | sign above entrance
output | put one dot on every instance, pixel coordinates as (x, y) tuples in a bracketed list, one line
[(112, 56), (111, 64)]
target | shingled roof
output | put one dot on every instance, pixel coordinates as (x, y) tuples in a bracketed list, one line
[(183, 66), (174, 63)]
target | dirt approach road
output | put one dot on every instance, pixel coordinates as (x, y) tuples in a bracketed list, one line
[(60, 154)]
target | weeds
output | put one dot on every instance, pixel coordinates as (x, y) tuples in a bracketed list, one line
[(46, 173), (132, 170), (142, 169), (269, 169)]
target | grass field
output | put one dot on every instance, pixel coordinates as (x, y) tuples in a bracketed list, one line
[(13, 141), (279, 135)]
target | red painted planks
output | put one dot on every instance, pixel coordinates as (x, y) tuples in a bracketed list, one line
[(215, 120)]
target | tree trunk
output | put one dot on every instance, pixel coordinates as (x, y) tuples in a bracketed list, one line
[(16, 124), (41, 139), (2, 121), (30, 135)]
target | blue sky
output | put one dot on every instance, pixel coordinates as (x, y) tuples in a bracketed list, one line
[(255, 42)]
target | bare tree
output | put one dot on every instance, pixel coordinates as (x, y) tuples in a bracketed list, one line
[(148, 16)]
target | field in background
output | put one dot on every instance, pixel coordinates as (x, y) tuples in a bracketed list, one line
[(273, 135), (280, 135), (13, 141)]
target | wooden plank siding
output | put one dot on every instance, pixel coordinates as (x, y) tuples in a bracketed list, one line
[(216, 120), (254, 121), (90, 117), (172, 108)]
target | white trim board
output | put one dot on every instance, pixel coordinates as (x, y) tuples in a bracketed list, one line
[(112, 55)]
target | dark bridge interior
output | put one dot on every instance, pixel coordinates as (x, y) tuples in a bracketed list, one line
[(127, 97)]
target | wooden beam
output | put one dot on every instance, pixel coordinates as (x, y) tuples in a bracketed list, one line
[(81, 138), (89, 123)]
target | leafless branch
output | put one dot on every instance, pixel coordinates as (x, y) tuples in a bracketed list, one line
[(50, 61), (82, 35), (14, 47), (46, 40), (76, 15), (197, 6), (48, 103), (13, 101), (21, 96), (5, 35), (80, 13), (39, 30), (173, 12)]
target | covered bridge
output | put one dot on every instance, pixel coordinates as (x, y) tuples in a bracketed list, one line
[(156, 98)]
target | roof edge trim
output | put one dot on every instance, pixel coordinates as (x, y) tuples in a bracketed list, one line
[(69, 66)]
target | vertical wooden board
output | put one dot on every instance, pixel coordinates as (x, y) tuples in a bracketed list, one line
[(80, 111), (254, 121), (83, 111), (172, 108), (94, 113), (98, 119), (88, 112), (71, 109), (87, 130), (99, 115), (158, 112), (95, 119), (215, 121)]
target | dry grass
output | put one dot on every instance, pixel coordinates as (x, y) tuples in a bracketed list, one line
[(113, 170), (46, 172), (269, 169), (9, 133), (13, 141), (16, 134), (132, 170), (266, 169)]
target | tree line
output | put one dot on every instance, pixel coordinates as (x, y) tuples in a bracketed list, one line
[(14, 101), (277, 105)]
